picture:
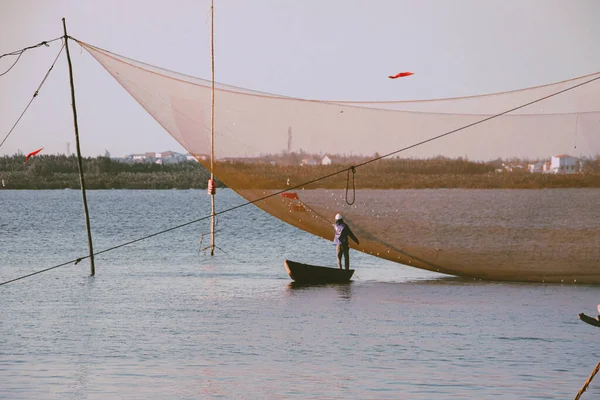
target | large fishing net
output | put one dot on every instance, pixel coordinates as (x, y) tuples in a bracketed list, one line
[(504, 198)]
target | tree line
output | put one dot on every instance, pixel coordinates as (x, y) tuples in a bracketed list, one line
[(61, 172), (398, 173)]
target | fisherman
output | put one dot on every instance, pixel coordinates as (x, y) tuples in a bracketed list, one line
[(342, 231)]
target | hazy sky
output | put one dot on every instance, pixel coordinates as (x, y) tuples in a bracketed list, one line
[(319, 49)]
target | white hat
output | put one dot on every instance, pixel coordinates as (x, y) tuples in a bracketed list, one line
[(338, 216)]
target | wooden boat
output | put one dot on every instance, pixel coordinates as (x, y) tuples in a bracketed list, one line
[(304, 273), (590, 320)]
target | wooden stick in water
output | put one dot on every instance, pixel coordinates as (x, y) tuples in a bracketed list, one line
[(212, 127), (589, 380), (79, 163)]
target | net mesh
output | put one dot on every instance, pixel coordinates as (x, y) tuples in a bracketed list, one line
[(462, 204)]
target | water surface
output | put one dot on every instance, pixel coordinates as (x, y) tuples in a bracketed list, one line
[(162, 319)]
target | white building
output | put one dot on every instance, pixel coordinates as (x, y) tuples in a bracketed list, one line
[(564, 164), (138, 157), (326, 160), (536, 168), (308, 161), (546, 169)]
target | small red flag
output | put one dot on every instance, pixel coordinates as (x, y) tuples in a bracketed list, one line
[(33, 153), (400, 75)]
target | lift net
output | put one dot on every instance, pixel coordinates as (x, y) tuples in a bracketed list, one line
[(469, 203)]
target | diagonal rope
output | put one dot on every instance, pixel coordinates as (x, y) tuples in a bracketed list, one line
[(34, 95), (78, 260), (314, 180), (19, 52)]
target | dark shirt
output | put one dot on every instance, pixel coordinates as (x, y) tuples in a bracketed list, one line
[(342, 231)]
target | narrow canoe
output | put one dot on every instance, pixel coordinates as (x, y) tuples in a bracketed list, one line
[(590, 320), (305, 273)]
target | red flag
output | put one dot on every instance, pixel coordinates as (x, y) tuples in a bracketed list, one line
[(400, 75), (33, 153)]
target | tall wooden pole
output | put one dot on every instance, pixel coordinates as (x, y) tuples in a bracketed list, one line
[(212, 127), (79, 163)]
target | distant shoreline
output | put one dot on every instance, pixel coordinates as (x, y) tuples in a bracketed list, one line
[(17, 181), (101, 173)]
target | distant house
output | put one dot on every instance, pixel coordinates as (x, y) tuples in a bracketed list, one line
[(564, 164), (308, 161), (546, 168), (507, 167), (170, 157), (165, 157), (538, 167), (137, 157), (513, 167), (327, 160)]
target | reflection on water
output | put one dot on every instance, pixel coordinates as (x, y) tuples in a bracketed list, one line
[(343, 289)]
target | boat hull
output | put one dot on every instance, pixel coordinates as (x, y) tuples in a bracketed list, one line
[(304, 273), (589, 320)]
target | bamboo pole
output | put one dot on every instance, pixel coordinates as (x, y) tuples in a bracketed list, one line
[(212, 127), (589, 380), (79, 162)]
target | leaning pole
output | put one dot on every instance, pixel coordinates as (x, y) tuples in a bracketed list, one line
[(79, 162)]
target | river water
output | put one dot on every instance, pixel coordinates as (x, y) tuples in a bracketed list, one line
[(163, 319)]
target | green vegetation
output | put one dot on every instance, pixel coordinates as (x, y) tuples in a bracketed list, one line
[(59, 172)]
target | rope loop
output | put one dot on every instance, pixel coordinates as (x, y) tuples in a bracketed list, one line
[(353, 169)]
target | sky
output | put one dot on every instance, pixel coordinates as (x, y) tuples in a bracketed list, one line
[(316, 49)]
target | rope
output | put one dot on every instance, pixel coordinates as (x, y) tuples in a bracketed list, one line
[(314, 211), (44, 43), (311, 181), (78, 260), (353, 169), (19, 53), (34, 94), (11, 67)]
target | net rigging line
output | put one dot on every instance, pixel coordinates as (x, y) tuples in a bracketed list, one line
[(79, 259), (11, 67), (279, 192), (19, 53), (35, 93)]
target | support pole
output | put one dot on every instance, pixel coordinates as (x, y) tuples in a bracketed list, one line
[(212, 128), (79, 163), (586, 384)]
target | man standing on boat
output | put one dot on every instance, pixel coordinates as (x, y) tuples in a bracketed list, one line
[(342, 231)]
